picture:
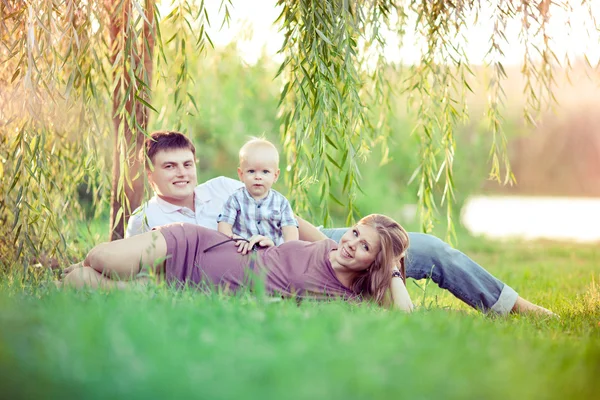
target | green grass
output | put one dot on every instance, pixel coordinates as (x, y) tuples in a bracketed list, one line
[(159, 343)]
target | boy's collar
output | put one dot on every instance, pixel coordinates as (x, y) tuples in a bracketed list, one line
[(253, 199)]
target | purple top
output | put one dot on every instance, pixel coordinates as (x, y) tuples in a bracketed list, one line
[(303, 269), (295, 268)]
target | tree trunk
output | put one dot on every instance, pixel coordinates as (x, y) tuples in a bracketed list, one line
[(132, 140)]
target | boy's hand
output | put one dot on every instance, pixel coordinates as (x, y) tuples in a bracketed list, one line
[(239, 241), (262, 241)]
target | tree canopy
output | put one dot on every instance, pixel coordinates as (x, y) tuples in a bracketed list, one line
[(77, 75)]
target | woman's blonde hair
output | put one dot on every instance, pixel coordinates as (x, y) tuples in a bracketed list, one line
[(375, 281)]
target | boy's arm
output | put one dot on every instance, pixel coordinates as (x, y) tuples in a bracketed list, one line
[(228, 215), (226, 228), (290, 232), (289, 224), (308, 231)]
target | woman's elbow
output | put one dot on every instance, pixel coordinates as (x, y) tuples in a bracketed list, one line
[(95, 257)]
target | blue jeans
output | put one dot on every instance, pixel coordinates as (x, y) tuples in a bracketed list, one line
[(452, 270)]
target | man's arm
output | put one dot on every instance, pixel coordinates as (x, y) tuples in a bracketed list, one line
[(308, 231)]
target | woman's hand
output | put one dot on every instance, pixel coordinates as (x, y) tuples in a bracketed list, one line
[(400, 297), (262, 241), (71, 268)]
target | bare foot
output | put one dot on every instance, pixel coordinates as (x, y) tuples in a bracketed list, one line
[(523, 306)]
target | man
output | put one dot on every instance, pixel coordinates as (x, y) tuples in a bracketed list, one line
[(171, 169)]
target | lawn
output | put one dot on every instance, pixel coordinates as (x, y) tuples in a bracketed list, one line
[(158, 343)]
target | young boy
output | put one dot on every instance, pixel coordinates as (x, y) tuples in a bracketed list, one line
[(256, 209)]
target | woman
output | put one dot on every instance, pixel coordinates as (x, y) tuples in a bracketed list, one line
[(362, 266)]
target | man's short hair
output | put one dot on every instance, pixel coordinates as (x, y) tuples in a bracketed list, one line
[(164, 141)]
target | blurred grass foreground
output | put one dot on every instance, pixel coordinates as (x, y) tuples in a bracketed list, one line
[(158, 343)]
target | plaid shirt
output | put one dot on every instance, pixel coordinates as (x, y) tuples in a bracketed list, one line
[(250, 217)]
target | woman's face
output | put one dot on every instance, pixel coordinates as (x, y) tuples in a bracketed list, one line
[(358, 248)]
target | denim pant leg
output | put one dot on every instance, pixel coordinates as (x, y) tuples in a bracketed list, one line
[(334, 233), (452, 270)]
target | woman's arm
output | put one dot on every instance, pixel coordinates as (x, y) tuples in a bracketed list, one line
[(88, 277), (400, 297), (120, 259)]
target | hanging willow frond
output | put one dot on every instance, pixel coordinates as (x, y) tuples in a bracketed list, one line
[(187, 27), (50, 124), (323, 114), (437, 88)]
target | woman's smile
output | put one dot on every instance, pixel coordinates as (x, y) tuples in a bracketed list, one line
[(357, 249), (345, 253)]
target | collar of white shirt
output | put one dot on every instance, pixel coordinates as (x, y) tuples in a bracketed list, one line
[(200, 196), (167, 207)]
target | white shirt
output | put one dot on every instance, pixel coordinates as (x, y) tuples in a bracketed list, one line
[(209, 198)]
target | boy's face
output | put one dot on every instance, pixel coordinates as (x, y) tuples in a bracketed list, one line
[(174, 176), (259, 172)]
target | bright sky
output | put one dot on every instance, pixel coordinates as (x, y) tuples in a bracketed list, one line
[(252, 26)]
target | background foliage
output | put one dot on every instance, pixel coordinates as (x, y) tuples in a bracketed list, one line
[(80, 79)]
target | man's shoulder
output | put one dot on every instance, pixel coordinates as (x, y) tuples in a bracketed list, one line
[(139, 219), (220, 184), (223, 181)]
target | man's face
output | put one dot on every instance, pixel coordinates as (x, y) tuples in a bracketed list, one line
[(174, 176)]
